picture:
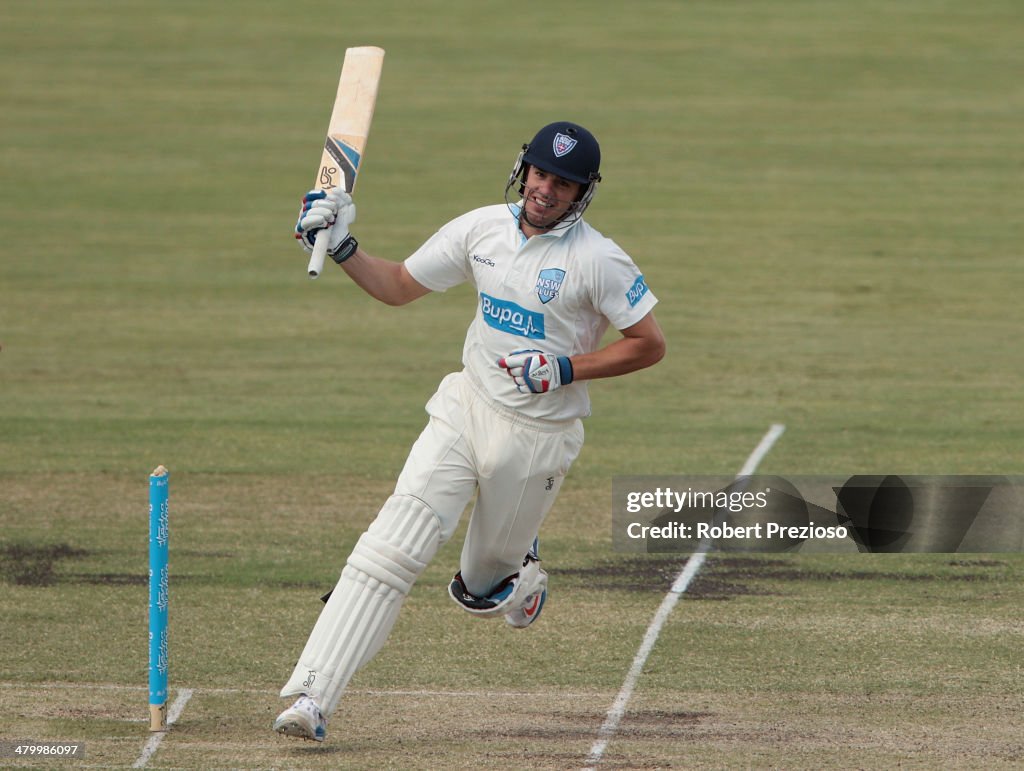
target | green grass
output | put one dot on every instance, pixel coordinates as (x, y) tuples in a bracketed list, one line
[(823, 195)]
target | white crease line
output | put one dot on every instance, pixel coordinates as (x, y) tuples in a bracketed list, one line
[(375, 692), (762, 449), (177, 707), (615, 713)]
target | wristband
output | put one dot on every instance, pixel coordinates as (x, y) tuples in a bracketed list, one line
[(565, 373), (345, 249)]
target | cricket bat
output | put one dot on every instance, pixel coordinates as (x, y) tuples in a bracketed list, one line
[(347, 132)]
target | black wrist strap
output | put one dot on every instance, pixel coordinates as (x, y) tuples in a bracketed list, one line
[(345, 249)]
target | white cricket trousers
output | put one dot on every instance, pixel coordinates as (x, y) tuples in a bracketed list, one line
[(514, 464)]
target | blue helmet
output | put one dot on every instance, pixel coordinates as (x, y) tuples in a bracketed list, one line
[(567, 150)]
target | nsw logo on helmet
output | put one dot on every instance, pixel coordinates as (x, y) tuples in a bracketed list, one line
[(562, 145)]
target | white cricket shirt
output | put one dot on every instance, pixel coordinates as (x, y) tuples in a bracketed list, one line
[(555, 293)]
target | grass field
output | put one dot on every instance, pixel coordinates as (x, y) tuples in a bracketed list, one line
[(826, 198)]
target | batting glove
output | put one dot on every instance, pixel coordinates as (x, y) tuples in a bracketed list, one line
[(537, 372), (321, 209)]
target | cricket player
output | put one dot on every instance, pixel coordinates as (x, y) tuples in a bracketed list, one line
[(507, 427)]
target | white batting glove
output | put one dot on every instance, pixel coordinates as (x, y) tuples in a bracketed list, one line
[(537, 372), (321, 209)]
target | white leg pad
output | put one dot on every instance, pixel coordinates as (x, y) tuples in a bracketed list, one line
[(364, 605)]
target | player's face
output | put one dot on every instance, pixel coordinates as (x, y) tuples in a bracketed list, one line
[(547, 197)]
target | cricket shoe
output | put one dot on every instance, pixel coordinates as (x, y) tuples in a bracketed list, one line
[(302, 720), (525, 615)]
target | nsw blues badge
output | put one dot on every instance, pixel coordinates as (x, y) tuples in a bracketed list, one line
[(562, 145), (549, 282)]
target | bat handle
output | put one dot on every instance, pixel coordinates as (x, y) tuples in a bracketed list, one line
[(316, 260)]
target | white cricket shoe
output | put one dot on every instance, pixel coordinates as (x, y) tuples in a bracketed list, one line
[(525, 615), (302, 720)]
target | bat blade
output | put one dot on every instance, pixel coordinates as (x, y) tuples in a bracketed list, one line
[(351, 118), (347, 132)]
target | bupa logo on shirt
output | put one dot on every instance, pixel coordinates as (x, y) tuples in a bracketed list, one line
[(637, 291), (548, 283), (507, 316)]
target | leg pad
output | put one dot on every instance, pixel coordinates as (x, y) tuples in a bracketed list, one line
[(364, 605)]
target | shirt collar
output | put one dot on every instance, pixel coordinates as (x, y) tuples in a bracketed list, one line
[(516, 208)]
